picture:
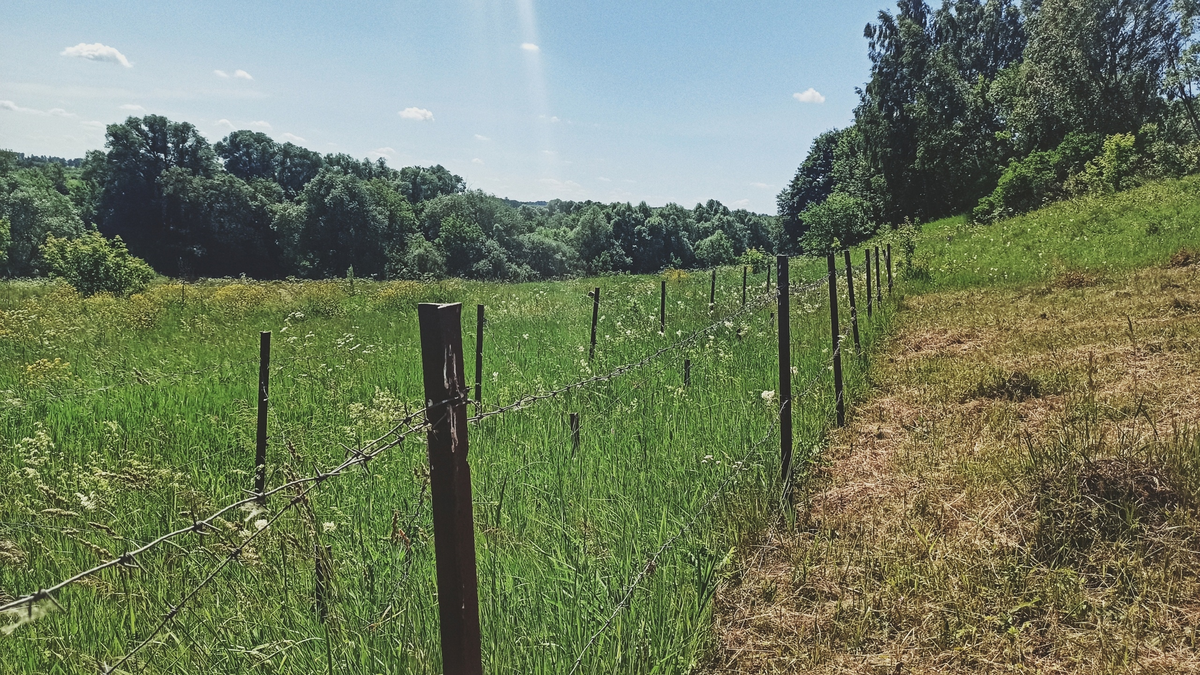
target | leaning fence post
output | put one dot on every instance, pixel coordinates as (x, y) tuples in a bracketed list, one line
[(450, 483), (878, 285), (853, 306), (260, 441), (574, 434), (837, 344), (889, 268), (595, 318), (662, 309), (479, 323), (712, 291), (867, 268), (744, 269), (785, 370)]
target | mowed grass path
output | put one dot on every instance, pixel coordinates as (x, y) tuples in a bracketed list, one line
[(121, 419)]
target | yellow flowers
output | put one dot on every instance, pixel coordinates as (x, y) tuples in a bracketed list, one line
[(45, 372)]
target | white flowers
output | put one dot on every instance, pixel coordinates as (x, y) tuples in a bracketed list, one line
[(768, 396), (328, 527)]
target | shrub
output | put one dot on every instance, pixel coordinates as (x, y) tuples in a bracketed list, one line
[(1038, 178), (841, 219), (93, 264), (715, 250)]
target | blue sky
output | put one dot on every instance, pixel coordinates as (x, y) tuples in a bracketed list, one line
[(606, 100)]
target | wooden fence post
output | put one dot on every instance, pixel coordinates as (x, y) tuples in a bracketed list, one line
[(837, 342), (744, 269), (853, 306), (889, 268), (574, 434), (878, 285), (867, 267), (687, 372), (260, 440), (768, 278), (450, 483), (595, 318), (662, 309), (479, 323), (785, 370), (712, 292)]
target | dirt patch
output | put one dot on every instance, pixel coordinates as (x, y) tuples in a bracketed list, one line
[(1184, 257), (1076, 279), (1015, 386), (940, 341)]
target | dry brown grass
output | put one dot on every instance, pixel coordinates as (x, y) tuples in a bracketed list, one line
[(1020, 495)]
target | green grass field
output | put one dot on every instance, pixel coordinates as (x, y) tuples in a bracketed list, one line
[(122, 419)]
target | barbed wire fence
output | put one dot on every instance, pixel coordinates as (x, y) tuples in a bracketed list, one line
[(361, 453)]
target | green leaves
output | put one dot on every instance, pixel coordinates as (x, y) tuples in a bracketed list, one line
[(93, 264)]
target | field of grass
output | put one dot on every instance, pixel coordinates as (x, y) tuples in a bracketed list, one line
[(122, 419), (1020, 492)]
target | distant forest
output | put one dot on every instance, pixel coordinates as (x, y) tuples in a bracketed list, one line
[(249, 205), (998, 107)]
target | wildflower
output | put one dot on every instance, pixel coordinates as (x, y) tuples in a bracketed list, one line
[(526, 336), (261, 524), (329, 527), (768, 395), (795, 370)]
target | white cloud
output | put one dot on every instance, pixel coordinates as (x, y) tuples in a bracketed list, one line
[(477, 161), (809, 95), (530, 47), (762, 186), (741, 203), (549, 152), (226, 124), (602, 179), (133, 107), (242, 75), (259, 125), (481, 137), (94, 124), (9, 105), (291, 137), (97, 52), (418, 114), (383, 152), (59, 112), (53, 112), (220, 73)]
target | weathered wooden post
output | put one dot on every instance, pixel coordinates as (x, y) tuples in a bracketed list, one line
[(785, 370), (853, 306), (867, 268), (450, 483), (595, 318), (712, 292), (744, 269), (479, 324), (662, 309), (260, 440), (837, 343), (889, 268), (687, 372)]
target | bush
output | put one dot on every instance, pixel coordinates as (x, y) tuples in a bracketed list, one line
[(93, 264), (840, 220), (715, 250), (1038, 178)]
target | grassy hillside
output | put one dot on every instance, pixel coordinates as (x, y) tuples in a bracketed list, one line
[(122, 419), (1089, 236)]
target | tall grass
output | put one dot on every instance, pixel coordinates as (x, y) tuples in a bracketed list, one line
[(123, 418)]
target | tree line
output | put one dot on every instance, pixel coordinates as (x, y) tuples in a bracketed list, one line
[(249, 205), (994, 107)]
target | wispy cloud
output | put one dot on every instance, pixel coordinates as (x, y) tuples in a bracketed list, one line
[(133, 107), (220, 73), (741, 203), (382, 152), (9, 105), (293, 138), (259, 124), (242, 75), (477, 161), (418, 114), (226, 124), (530, 47), (53, 112), (602, 179), (762, 186), (809, 95), (96, 52), (95, 124), (481, 137)]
